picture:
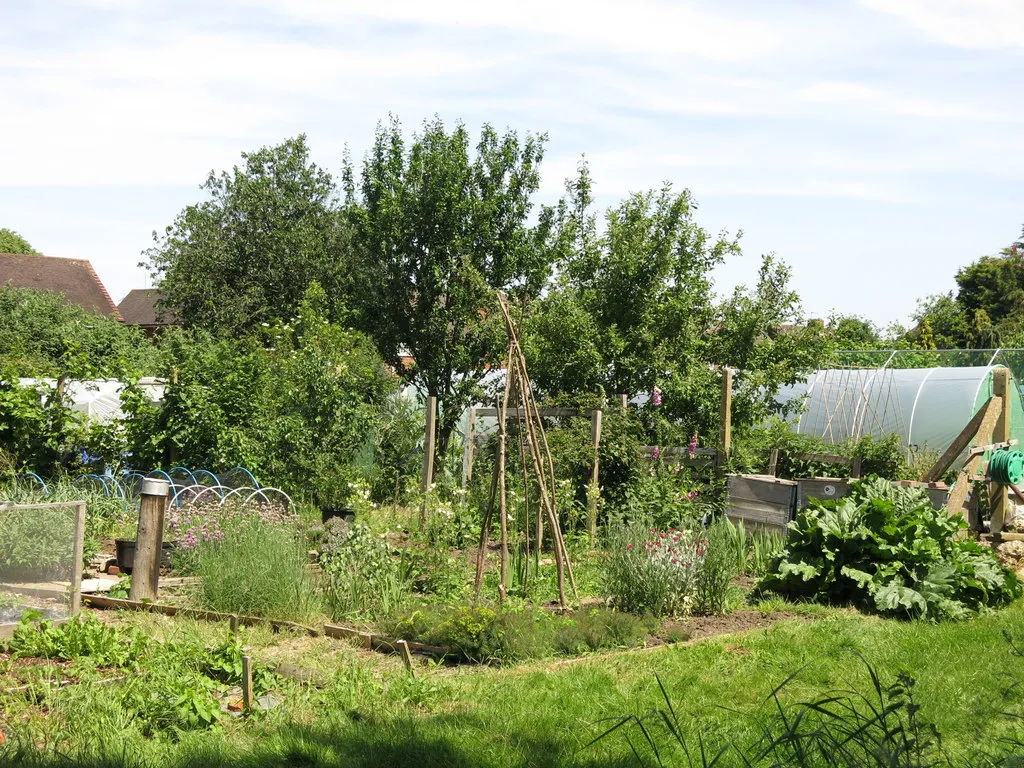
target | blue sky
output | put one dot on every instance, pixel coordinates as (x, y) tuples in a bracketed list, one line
[(874, 145)]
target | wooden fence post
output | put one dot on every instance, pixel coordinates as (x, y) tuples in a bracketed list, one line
[(594, 490), (149, 540), (78, 555), (468, 449), (999, 495), (429, 439), (725, 416), (247, 697)]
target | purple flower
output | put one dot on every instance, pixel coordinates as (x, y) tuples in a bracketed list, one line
[(656, 453), (656, 397), (691, 495)]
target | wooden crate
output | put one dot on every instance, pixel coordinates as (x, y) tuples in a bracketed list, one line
[(761, 501), (822, 488)]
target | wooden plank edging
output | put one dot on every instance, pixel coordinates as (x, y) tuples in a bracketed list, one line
[(98, 601), (384, 644)]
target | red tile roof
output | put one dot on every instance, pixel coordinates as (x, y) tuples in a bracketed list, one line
[(75, 278), (139, 308)]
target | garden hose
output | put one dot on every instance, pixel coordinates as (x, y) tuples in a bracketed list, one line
[(1007, 467)]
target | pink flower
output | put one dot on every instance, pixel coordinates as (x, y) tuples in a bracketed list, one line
[(656, 453), (656, 397)]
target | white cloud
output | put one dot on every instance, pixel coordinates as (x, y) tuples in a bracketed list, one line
[(982, 24), (639, 26)]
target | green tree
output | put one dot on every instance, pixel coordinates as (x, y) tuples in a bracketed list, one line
[(247, 255), (632, 303), (42, 335), (947, 323), (12, 242), (854, 332), (438, 229), (295, 404), (762, 335)]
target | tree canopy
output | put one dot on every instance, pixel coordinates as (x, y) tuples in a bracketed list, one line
[(247, 255), (12, 242), (438, 226)]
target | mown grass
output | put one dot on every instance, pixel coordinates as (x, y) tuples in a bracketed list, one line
[(545, 714)]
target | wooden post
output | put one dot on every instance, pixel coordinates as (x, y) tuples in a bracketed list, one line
[(78, 555), (594, 490), (773, 462), (725, 416), (406, 654), (855, 466), (468, 448), (149, 540), (999, 495), (429, 439), (247, 699), (624, 402)]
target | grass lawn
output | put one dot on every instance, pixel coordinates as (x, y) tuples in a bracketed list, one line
[(541, 713)]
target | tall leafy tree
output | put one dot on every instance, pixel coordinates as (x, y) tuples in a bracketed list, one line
[(439, 226), (12, 242), (247, 255), (632, 302)]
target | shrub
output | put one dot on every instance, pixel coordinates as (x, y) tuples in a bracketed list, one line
[(654, 572), (258, 568), (483, 634), (601, 628), (887, 548), (478, 633), (362, 574)]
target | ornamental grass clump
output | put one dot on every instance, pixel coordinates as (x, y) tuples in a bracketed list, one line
[(258, 567), (655, 572), (887, 549)]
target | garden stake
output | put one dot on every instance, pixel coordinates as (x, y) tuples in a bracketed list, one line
[(542, 461), (246, 683), (502, 495), (403, 649)]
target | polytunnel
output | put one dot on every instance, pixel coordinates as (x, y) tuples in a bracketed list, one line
[(927, 407)]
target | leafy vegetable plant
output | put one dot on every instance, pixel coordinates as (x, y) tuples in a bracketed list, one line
[(887, 548)]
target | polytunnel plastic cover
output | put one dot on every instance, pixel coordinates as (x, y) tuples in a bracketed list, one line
[(927, 407)]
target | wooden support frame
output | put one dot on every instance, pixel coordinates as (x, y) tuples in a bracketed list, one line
[(981, 423), (854, 462), (990, 426), (77, 547)]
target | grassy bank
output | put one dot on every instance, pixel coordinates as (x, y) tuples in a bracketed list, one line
[(543, 714)]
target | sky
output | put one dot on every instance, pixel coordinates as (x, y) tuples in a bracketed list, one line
[(875, 146)]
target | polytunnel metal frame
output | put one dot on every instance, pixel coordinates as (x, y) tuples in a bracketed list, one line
[(841, 404)]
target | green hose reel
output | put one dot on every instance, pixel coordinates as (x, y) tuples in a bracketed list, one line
[(1006, 466)]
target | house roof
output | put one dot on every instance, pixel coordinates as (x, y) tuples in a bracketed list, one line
[(139, 307), (75, 278)]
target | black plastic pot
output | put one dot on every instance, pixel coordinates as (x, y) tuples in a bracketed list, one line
[(345, 513), (125, 553)]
